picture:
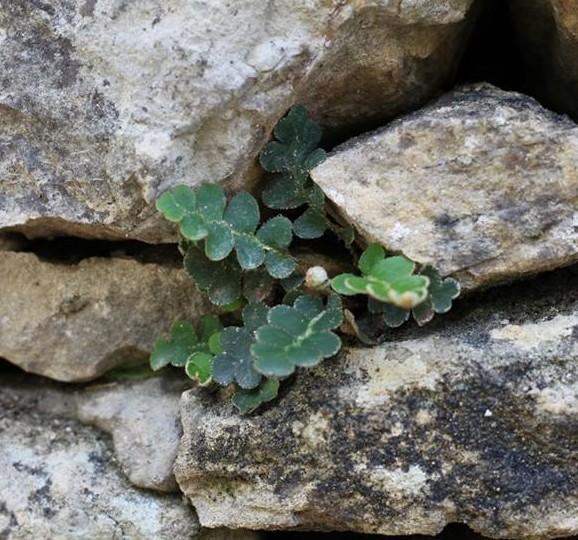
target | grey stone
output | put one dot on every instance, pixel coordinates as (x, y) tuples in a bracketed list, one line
[(143, 419), (483, 184), (73, 322), (473, 420), (144, 95), (60, 480)]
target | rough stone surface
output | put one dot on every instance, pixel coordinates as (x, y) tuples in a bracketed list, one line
[(143, 419), (472, 420), (72, 322), (483, 184), (143, 95), (547, 32), (60, 481)]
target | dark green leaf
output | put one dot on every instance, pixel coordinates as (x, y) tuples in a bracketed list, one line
[(297, 336), (221, 280), (294, 281), (234, 363), (442, 292), (277, 232), (282, 193), (280, 266), (347, 235), (423, 313), (220, 241), (225, 284), (211, 201), (311, 224), (295, 150), (210, 325), (177, 348), (203, 214), (243, 213), (200, 268), (315, 196), (393, 316), (246, 401), (254, 316), (250, 252)]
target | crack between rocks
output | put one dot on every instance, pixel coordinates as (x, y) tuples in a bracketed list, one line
[(72, 250)]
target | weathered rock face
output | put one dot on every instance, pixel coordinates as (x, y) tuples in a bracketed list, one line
[(60, 481), (74, 322), (143, 419), (547, 31), (473, 420), (384, 59), (483, 184), (142, 96)]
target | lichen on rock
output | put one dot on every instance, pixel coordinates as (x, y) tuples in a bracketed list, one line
[(472, 421), (60, 479), (482, 184)]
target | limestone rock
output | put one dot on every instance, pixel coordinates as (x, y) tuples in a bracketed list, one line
[(472, 420), (72, 322), (143, 419), (60, 481), (142, 96), (483, 184), (547, 33)]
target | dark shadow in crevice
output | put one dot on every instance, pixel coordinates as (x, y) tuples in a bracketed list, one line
[(492, 53), (454, 531), (72, 250)]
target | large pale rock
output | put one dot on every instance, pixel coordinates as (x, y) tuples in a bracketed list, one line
[(547, 33), (72, 322), (483, 184), (143, 95), (474, 420), (143, 419), (60, 481)]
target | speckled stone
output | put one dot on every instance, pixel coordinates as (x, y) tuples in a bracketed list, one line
[(483, 184), (140, 96), (473, 420), (61, 481)]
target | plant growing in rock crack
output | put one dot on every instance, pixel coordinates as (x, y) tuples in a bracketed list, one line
[(282, 319)]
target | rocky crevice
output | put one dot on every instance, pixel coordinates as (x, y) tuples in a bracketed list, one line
[(472, 419)]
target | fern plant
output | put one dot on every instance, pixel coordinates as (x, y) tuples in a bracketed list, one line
[(283, 320)]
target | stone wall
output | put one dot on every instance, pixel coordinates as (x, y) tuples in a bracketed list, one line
[(105, 104)]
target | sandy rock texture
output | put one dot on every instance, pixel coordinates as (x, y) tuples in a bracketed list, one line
[(72, 322), (483, 184), (143, 95), (473, 420)]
